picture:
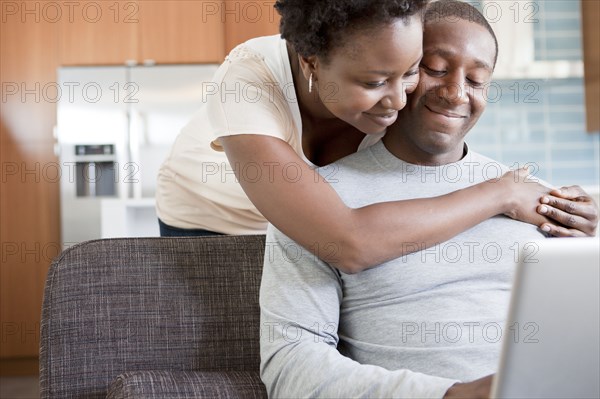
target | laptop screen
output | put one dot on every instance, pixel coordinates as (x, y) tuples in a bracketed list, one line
[(551, 346)]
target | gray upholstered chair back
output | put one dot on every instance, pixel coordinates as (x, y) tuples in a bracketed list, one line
[(118, 305)]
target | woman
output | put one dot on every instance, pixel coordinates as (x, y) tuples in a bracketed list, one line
[(280, 107)]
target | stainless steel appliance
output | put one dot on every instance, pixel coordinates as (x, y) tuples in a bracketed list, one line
[(115, 126)]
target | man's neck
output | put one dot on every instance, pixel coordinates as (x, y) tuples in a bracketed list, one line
[(408, 151)]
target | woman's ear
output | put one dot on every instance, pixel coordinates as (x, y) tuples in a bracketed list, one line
[(309, 65)]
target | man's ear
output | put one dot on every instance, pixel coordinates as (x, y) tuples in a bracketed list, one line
[(309, 65)]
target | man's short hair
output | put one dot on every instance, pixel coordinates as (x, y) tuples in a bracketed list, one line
[(450, 10)]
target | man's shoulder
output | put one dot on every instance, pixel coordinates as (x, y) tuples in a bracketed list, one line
[(483, 161), (357, 165), (493, 169)]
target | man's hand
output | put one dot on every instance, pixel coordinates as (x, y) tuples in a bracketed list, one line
[(478, 389), (573, 209)]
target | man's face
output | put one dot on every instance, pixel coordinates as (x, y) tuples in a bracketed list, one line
[(457, 64)]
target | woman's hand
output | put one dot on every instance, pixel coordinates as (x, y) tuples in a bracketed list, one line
[(523, 193), (572, 211)]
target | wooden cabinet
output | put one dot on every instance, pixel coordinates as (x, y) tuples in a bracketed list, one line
[(160, 31), (590, 15), (29, 193), (141, 31), (247, 19), (98, 32), (180, 32)]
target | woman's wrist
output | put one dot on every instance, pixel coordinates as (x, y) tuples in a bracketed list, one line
[(499, 193)]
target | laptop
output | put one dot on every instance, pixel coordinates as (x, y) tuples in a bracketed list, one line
[(551, 343)]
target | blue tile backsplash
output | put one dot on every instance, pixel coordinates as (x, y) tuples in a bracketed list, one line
[(542, 121), (557, 31), (545, 127)]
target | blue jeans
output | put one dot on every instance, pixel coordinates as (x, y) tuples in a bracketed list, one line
[(170, 231)]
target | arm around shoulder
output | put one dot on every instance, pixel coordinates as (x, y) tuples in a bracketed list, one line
[(299, 202)]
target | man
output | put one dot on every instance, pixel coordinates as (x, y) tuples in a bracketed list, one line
[(419, 325)]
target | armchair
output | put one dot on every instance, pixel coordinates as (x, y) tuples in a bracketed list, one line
[(153, 318)]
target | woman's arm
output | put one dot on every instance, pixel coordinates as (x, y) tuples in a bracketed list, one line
[(299, 202)]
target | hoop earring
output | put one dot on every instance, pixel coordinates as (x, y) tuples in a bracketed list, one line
[(310, 83)]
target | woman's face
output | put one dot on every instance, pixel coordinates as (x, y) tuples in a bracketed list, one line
[(366, 80)]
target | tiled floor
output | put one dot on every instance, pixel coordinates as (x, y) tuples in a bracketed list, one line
[(19, 388)]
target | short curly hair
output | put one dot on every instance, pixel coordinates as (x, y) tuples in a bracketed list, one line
[(315, 27), (449, 10)]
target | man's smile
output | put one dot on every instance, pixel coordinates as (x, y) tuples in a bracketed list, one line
[(444, 112)]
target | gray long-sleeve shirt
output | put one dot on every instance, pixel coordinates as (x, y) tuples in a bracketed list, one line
[(410, 327)]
